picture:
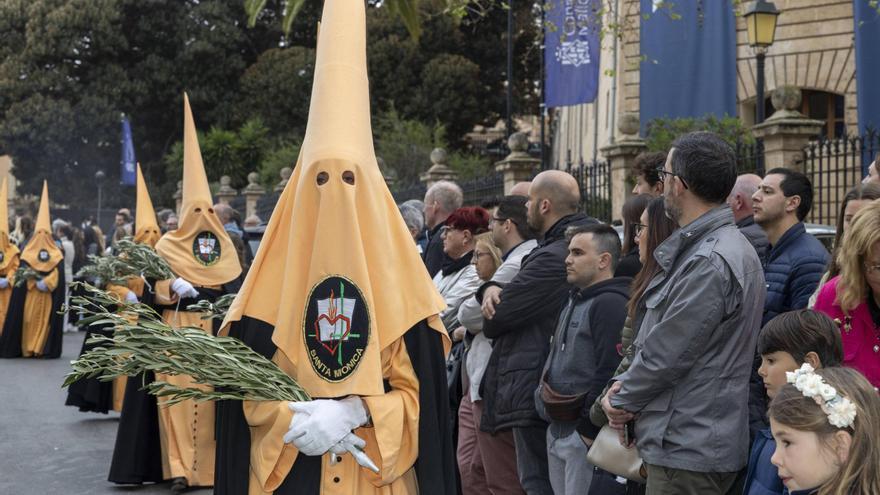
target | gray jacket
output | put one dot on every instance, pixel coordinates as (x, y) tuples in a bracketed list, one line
[(698, 323)]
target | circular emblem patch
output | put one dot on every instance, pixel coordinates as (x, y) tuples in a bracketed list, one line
[(44, 255), (206, 248), (336, 328)]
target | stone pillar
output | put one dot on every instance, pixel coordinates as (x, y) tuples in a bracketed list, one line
[(252, 193), (285, 176), (178, 197), (787, 131), (621, 156), (518, 166), (226, 193), (439, 169)]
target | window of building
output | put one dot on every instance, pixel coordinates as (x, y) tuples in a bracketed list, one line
[(828, 107)]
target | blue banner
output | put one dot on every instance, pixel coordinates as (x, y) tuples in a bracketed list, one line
[(571, 52), (867, 31), (689, 59), (127, 171)]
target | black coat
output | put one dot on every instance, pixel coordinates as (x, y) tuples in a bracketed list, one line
[(629, 265), (521, 329)]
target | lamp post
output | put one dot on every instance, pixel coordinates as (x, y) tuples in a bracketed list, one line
[(760, 17), (99, 179), (509, 121)]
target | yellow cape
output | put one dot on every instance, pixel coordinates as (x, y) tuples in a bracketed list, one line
[(337, 273), (41, 253), (8, 250), (200, 250)]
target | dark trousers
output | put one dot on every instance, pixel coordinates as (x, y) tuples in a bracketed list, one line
[(670, 481), (531, 460)]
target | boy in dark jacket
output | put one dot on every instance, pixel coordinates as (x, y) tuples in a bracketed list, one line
[(786, 342), (583, 353)]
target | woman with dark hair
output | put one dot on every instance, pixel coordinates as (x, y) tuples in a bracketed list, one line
[(856, 198), (633, 208), (93, 240), (653, 228)]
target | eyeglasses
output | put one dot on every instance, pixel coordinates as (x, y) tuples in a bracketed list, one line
[(478, 255), (502, 220), (872, 269), (638, 229), (662, 172)]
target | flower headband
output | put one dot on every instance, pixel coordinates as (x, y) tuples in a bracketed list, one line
[(841, 411)]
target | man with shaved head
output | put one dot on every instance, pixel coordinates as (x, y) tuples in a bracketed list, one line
[(520, 188), (520, 317), (740, 201)]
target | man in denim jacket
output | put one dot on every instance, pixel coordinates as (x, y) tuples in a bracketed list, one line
[(687, 387)]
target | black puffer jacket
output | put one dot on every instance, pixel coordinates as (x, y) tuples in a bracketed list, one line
[(521, 329)]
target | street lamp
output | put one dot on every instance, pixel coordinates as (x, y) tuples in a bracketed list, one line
[(760, 17), (99, 179)]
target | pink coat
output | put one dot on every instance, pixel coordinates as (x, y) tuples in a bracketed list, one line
[(861, 345)]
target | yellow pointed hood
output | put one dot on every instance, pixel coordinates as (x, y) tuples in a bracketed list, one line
[(146, 227), (41, 252), (337, 273), (8, 250), (200, 250)]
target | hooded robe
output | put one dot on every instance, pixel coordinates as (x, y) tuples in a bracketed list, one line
[(339, 299), (137, 455), (9, 255), (34, 324), (200, 252)]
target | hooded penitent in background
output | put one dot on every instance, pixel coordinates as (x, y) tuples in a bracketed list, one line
[(9, 255), (33, 326), (137, 456), (338, 298), (202, 256), (92, 394)]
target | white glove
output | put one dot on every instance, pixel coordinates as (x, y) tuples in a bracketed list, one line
[(131, 298), (354, 445), (42, 286), (183, 288), (320, 424), (4, 282)]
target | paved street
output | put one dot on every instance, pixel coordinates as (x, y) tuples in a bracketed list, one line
[(48, 448)]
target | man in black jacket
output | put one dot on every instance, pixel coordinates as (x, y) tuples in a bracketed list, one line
[(521, 317), (441, 200), (583, 353)]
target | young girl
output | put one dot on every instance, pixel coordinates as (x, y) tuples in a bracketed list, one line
[(825, 424)]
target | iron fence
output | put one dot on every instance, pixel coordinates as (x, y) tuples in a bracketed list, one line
[(594, 181), (835, 166), (750, 157), (482, 189)]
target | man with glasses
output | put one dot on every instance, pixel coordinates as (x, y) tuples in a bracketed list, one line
[(515, 239), (684, 397)]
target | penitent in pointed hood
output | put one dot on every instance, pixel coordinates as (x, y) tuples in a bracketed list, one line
[(146, 228), (337, 273), (41, 252), (200, 250), (8, 249)]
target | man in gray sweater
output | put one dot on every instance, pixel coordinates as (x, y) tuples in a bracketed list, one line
[(583, 353)]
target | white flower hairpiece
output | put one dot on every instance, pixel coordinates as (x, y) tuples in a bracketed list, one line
[(841, 411)]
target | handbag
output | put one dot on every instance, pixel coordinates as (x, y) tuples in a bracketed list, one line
[(607, 453)]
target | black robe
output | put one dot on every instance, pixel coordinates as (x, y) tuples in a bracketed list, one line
[(92, 394), (137, 455), (10, 341), (435, 465)]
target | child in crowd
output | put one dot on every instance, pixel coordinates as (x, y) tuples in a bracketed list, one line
[(785, 344), (826, 424)]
